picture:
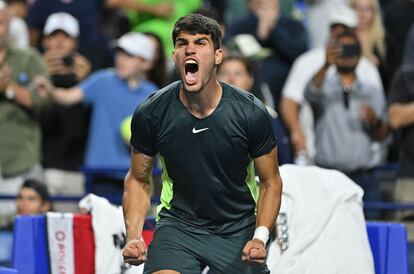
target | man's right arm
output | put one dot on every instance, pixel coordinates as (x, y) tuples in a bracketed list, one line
[(135, 203)]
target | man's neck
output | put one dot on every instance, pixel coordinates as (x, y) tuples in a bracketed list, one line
[(347, 78), (133, 81), (201, 104)]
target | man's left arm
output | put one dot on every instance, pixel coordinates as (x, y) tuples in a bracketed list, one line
[(268, 206)]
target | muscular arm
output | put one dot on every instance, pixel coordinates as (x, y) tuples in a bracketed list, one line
[(137, 194), (401, 115), (135, 203), (270, 193), (268, 204)]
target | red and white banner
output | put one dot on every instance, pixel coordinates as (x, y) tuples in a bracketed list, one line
[(60, 239)]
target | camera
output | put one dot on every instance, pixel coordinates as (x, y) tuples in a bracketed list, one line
[(351, 50), (68, 60)]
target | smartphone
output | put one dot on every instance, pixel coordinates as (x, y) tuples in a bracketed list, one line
[(351, 50)]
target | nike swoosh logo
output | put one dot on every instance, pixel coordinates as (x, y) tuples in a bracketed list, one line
[(195, 131)]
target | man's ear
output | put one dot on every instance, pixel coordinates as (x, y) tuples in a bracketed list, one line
[(218, 56)]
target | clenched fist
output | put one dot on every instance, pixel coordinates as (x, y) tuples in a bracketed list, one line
[(135, 252)]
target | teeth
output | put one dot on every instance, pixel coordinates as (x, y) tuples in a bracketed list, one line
[(190, 62)]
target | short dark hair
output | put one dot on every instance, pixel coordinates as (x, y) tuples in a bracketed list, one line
[(38, 187), (198, 24)]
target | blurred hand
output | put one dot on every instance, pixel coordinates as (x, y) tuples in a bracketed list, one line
[(5, 74), (267, 12), (42, 85), (254, 252), (298, 141), (333, 51), (368, 115), (54, 63), (164, 10), (135, 252), (82, 66)]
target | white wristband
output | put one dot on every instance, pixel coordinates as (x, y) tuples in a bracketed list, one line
[(261, 233)]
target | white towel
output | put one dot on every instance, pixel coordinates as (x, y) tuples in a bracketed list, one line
[(109, 232), (325, 224)]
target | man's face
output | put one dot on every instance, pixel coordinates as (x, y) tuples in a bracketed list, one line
[(347, 63), (30, 202), (128, 66), (337, 29), (4, 26), (235, 73), (60, 41), (195, 60)]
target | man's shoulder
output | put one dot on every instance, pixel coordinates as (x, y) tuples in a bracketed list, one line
[(161, 98), (238, 96)]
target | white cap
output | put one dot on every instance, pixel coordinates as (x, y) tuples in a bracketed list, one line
[(62, 21), (343, 15), (136, 44)]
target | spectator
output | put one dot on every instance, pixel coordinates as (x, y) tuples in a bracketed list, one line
[(401, 114), (64, 127), (398, 18), (20, 108), (238, 71), (113, 95), (348, 114), (294, 109), (92, 42), (371, 33), (284, 36), (370, 29), (33, 198)]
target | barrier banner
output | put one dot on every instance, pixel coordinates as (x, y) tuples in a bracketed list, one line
[(60, 240)]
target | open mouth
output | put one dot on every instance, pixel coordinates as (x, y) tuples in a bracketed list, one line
[(191, 71)]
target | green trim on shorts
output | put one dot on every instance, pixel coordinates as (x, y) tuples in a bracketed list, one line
[(251, 183), (167, 189)]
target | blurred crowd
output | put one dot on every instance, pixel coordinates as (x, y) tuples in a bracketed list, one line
[(336, 76)]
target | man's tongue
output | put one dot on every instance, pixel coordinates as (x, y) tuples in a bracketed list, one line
[(191, 73)]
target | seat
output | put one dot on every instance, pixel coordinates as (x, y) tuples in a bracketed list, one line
[(388, 243)]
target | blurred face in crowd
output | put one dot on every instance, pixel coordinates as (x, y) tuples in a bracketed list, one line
[(128, 66), (60, 41), (365, 10), (337, 29), (347, 63), (30, 202), (234, 72), (4, 24)]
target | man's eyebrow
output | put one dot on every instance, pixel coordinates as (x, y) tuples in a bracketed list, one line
[(180, 39), (201, 39)]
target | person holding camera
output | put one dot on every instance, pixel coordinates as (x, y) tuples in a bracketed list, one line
[(348, 114), (64, 128)]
